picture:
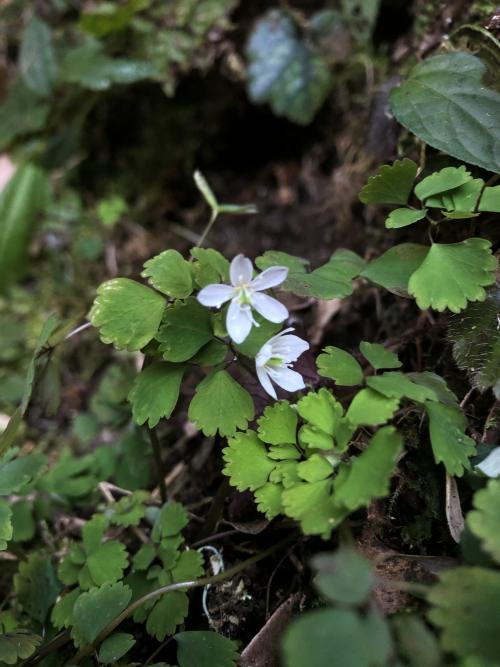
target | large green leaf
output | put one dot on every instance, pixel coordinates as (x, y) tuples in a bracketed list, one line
[(476, 341), (370, 408), (484, 520), (278, 424), (247, 463), (169, 273), (89, 67), (221, 404), (20, 203), (284, 70), (394, 268), (186, 327), (392, 184), (127, 313), (205, 649), (466, 607), (37, 59), (155, 392), (450, 445), (445, 102), (452, 274), (94, 610)]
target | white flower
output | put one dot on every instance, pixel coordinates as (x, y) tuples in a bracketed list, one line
[(245, 294), (274, 359)]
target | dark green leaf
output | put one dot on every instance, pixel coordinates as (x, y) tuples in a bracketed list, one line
[(18, 645), (449, 443), (394, 268), (36, 586), (114, 647), (392, 184), (21, 113), (94, 610), (37, 59), (345, 576), (186, 327), (205, 649), (155, 392)]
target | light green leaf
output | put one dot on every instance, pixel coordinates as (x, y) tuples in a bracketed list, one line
[(484, 520), (403, 217), (378, 356), (284, 70), (21, 201), (247, 463), (312, 437), (185, 329), (37, 61), (463, 122), (36, 585), (392, 184), (188, 567), (314, 469), (370, 408), (268, 499), (344, 577), (278, 424), (114, 647), (129, 510), (155, 392), (210, 266), (94, 610), (21, 113), (369, 475), (394, 268), (448, 178), (107, 563), (296, 267), (476, 341), (340, 366), (89, 67), (466, 607), (460, 201), (221, 404), (172, 519), (321, 409), (490, 200), (453, 274), (126, 313), (312, 505), (18, 645), (449, 443), (16, 473), (169, 612), (169, 273), (333, 279), (106, 18), (205, 649), (398, 385), (111, 209), (5, 524)]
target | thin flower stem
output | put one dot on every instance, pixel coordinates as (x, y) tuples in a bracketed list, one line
[(207, 229), (183, 585)]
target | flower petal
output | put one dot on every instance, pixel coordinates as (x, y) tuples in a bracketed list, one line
[(286, 378), (213, 296), (289, 348), (238, 321), (271, 277), (271, 309), (265, 381), (241, 270)]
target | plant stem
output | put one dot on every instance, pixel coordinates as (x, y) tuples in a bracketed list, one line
[(155, 444), (183, 585), (207, 229)]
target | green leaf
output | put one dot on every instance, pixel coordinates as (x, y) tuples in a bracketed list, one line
[(378, 356), (169, 273), (464, 111), (94, 610), (21, 201), (452, 274), (36, 586), (484, 520), (126, 313), (448, 178), (37, 61), (337, 638), (370, 408), (436, 384), (333, 279), (466, 607), (221, 404), (344, 577), (5, 524), (205, 649), (416, 643), (320, 409), (398, 385), (459, 202), (210, 266), (369, 475), (169, 612), (15, 474), (296, 267), (172, 519), (268, 499), (392, 184), (340, 366), (155, 392), (490, 200), (23, 522), (107, 18), (247, 463), (107, 563), (129, 510), (257, 337), (403, 217), (314, 469), (114, 647), (62, 612), (185, 329), (21, 113), (18, 645), (284, 70), (311, 504), (89, 67), (278, 424), (188, 567), (394, 268), (476, 341), (449, 443)]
